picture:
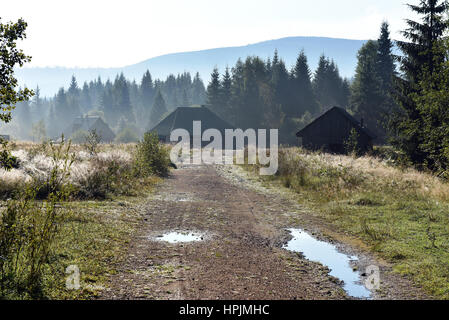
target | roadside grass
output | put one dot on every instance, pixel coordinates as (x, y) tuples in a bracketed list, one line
[(89, 228), (402, 214), (94, 237)]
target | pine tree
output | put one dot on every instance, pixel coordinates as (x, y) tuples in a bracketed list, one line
[(433, 102), (198, 90), (147, 89), (122, 99), (73, 88), (185, 98), (328, 85), (301, 86), (107, 104), (226, 92), (86, 101), (37, 105), (61, 111), (419, 58), (320, 83), (385, 59), (214, 93), (158, 110), (366, 97), (279, 82), (386, 70)]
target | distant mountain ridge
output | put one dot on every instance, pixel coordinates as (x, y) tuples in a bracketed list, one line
[(342, 51)]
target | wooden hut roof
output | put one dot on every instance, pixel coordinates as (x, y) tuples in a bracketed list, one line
[(345, 114), (183, 117)]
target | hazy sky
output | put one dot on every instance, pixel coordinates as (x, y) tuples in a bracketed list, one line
[(109, 33)]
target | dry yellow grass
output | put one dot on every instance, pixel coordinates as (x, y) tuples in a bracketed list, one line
[(374, 171)]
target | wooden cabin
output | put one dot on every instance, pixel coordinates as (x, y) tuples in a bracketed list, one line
[(332, 129), (183, 118)]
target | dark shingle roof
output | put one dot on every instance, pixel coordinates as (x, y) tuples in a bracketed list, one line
[(183, 117), (344, 113)]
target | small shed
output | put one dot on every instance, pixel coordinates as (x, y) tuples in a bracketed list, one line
[(89, 123), (183, 117), (332, 129)]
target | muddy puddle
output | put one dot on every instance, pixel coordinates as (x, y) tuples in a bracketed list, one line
[(180, 237), (328, 255)]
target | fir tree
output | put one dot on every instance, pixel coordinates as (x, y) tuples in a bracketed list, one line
[(366, 97), (147, 89), (328, 85), (385, 59), (214, 92), (226, 91), (419, 57), (37, 105), (304, 98), (158, 110)]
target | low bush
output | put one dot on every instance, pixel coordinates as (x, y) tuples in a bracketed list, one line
[(152, 157)]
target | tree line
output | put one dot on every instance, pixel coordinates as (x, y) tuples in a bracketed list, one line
[(261, 93), (258, 93), (123, 104)]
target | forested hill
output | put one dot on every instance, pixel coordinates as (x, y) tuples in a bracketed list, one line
[(343, 51)]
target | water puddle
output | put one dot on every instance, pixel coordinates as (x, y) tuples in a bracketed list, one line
[(180, 237), (328, 255)]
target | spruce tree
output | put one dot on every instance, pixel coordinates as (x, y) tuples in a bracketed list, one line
[(366, 97), (386, 70), (86, 101), (73, 101), (226, 93), (158, 110), (37, 106), (185, 98), (214, 92), (328, 85), (198, 90), (61, 111), (147, 89), (304, 98), (122, 100), (385, 58), (419, 57), (73, 88)]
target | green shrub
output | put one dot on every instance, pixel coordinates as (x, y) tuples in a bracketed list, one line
[(109, 177), (28, 228), (7, 161), (352, 145), (56, 180), (152, 157), (91, 142)]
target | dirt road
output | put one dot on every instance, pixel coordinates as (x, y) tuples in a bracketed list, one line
[(241, 255)]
